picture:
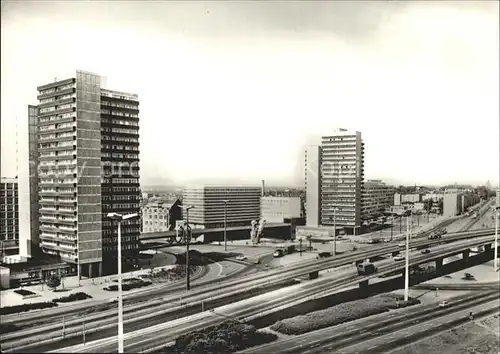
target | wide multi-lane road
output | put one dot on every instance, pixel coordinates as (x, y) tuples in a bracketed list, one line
[(385, 331), (101, 324), (162, 333), (206, 287)]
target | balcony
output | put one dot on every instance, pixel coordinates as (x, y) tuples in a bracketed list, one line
[(48, 236)]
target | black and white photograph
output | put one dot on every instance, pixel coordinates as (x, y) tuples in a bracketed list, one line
[(250, 176)]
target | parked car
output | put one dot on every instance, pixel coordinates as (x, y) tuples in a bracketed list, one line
[(434, 236), (241, 258), (402, 244), (324, 254), (399, 257), (426, 251), (278, 253)]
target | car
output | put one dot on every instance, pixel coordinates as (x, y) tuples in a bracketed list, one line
[(426, 251), (323, 255), (256, 261), (402, 244), (399, 257), (278, 253), (241, 258), (444, 303)]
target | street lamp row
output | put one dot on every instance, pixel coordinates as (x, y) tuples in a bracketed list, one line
[(120, 218)]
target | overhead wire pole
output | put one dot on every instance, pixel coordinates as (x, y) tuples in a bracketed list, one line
[(225, 224), (407, 258), (188, 240), (337, 181)]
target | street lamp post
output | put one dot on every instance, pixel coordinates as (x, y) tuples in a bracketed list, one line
[(497, 211), (120, 218), (337, 182), (225, 224), (334, 232), (407, 259)]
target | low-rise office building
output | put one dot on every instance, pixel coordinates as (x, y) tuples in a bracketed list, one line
[(277, 209), (160, 215), (400, 199), (238, 205)]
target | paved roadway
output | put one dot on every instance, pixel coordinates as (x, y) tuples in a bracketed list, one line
[(202, 285), (268, 279), (405, 335), (335, 338), (167, 332)]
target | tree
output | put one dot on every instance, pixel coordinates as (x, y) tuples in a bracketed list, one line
[(428, 205), (54, 281), (440, 206)]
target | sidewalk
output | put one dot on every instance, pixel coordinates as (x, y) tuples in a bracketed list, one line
[(93, 287)]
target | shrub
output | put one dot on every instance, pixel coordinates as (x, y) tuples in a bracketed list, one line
[(129, 286), (26, 307), (54, 281), (24, 292), (228, 337), (73, 297), (341, 313), (7, 328), (176, 273)]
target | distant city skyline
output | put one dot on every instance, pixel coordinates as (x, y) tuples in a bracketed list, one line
[(232, 92)]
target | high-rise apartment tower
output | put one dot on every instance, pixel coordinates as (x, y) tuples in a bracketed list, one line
[(87, 165), (334, 180)]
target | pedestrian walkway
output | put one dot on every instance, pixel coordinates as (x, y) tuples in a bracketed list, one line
[(69, 285)]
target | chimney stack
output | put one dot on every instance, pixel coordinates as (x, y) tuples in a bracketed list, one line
[(263, 187)]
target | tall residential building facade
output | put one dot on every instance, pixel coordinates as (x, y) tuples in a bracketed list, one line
[(88, 155), (120, 188), (9, 214), (276, 209), (243, 205), (339, 173), (376, 197), (312, 179)]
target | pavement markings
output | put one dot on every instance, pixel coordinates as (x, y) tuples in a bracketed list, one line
[(221, 269)]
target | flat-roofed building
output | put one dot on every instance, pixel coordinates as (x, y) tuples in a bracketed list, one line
[(160, 215), (86, 155), (9, 216), (342, 179), (376, 197), (276, 209), (243, 205)]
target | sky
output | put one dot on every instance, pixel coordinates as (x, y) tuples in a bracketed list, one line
[(235, 91)]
